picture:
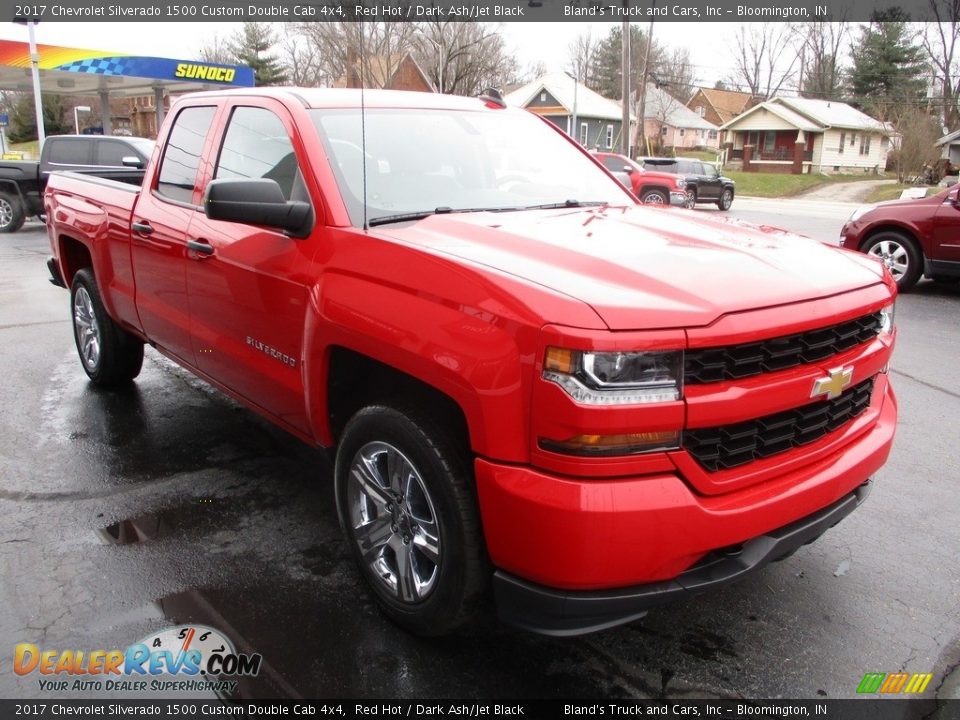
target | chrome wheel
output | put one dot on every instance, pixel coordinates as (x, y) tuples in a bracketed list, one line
[(653, 198), (393, 522), (87, 329), (691, 201), (894, 255), (6, 212), (726, 200)]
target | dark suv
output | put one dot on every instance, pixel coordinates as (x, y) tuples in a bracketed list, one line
[(702, 181)]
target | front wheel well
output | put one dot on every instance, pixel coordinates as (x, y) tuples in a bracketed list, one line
[(899, 230), (355, 380)]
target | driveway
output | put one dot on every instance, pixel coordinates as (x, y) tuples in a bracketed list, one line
[(854, 192)]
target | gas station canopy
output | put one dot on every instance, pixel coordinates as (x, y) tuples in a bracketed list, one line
[(75, 71)]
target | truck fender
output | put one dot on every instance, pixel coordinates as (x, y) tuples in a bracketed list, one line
[(466, 354)]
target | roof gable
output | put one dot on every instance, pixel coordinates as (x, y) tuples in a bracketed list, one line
[(561, 87)]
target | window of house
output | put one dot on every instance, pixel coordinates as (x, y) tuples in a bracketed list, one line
[(865, 145), (853, 139), (843, 136), (584, 133), (769, 141), (681, 132), (700, 110), (256, 145), (181, 158), (663, 130), (609, 136), (543, 97), (712, 134)]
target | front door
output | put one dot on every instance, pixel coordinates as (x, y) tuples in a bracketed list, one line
[(248, 285), (946, 230)]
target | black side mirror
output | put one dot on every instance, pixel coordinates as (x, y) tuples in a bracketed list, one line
[(628, 170), (257, 201), (132, 161)]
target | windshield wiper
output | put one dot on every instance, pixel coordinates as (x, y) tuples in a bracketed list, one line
[(402, 217), (564, 204)]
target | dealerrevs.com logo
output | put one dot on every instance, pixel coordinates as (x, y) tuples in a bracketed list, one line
[(182, 658)]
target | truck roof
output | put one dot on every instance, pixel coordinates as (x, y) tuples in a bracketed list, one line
[(350, 98)]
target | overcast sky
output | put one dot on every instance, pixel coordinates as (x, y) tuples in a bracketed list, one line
[(710, 44)]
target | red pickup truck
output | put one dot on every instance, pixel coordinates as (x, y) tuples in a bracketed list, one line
[(530, 381)]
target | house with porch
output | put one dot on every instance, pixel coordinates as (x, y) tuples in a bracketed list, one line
[(668, 123), (803, 135), (593, 120), (949, 146)]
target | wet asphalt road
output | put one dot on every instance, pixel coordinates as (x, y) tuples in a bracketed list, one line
[(121, 513)]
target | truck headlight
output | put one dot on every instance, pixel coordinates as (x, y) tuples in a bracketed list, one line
[(681, 183), (616, 378), (887, 316)]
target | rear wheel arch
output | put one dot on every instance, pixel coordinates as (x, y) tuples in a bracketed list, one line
[(74, 256)]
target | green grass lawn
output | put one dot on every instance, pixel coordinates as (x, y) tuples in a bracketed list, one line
[(775, 185), (29, 149), (705, 155), (892, 192)]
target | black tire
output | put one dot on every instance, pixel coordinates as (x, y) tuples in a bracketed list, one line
[(899, 253), (12, 216), (119, 355), (726, 199), (441, 487), (691, 201), (654, 196)]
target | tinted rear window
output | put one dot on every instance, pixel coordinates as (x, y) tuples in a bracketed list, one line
[(69, 151)]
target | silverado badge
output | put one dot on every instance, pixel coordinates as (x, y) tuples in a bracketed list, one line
[(833, 384)]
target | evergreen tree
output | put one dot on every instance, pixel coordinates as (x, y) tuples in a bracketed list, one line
[(888, 65), (23, 119), (251, 46), (604, 77)]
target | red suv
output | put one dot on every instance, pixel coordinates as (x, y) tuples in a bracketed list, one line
[(654, 188), (911, 237)]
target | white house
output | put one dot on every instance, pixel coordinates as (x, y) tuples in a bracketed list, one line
[(802, 135)]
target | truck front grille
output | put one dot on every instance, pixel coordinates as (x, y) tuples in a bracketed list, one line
[(727, 446), (739, 361)]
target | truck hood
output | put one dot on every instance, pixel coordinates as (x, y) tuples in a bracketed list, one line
[(644, 268)]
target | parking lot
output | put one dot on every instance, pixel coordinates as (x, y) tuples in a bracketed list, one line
[(121, 513)]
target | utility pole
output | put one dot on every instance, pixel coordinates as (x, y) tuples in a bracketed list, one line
[(641, 124), (625, 89)]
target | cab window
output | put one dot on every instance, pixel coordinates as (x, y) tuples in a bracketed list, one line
[(181, 157)]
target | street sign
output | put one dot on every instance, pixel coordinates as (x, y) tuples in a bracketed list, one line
[(4, 120)]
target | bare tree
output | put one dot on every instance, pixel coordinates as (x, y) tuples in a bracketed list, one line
[(582, 54), (918, 132), (302, 61), (822, 46), (675, 72), (371, 49), (940, 40), (660, 106), (469, 56), (766, 58), (215, 49)]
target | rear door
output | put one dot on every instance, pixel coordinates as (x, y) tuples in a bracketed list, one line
[(248, 285), (159, 232)]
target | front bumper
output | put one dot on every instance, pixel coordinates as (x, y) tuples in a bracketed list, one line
[(678, 198), (561, 613), (575, 555)]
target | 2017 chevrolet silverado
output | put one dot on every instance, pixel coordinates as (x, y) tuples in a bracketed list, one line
[(531, 382)]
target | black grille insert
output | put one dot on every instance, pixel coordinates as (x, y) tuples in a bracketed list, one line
[(727, 446), (739, 361)]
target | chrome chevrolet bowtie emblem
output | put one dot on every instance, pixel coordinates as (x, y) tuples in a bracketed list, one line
[(833, 384)]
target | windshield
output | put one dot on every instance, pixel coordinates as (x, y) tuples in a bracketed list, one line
[(422, 161), (143, 145)]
